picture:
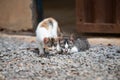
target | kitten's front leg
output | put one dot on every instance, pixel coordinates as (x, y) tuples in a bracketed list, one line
[(41, 50), (58, 48)]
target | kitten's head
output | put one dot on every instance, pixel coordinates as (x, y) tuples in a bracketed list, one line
[(66, 43), (50, 44)]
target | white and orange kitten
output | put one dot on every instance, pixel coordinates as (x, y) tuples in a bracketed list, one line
[(47, 36)]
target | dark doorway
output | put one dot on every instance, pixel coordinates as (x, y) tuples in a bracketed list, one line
[(63, 11), (39, 6), (37, 11)]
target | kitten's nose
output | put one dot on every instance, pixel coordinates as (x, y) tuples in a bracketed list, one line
[(66, 50)]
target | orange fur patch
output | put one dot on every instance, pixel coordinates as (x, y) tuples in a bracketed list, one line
[(45, 25), (46, 40)]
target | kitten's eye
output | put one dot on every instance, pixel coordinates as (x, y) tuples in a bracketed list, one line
[(52, 39), (70, 45), (55, 44), (62, 45)]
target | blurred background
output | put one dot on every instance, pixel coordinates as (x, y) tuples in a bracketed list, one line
[(77, 16), (24, 16)]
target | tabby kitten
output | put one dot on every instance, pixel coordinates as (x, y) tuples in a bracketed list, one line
[(66, 44), (70, 44)]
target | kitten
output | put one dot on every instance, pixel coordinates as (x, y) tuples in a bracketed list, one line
[(65, 44), (47, 35), (52, 46), (72, 44)]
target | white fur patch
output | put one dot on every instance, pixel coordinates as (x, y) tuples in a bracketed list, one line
[(74, 49)]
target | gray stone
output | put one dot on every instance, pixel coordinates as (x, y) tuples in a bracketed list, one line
[(2, 77), (98, 63)]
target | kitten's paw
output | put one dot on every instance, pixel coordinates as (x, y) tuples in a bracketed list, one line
[(74, 50), (41, 54)]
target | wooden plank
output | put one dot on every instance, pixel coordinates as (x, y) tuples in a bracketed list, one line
[(106, 16), (118, 11), (89, 11), (110, 11), (80, 11), (98, 28), (99, 11)]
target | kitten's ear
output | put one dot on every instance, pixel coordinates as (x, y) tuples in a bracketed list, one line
[(60, 36), (72, 37), (46, 40)]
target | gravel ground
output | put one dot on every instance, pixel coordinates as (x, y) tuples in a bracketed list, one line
[(20, 61)]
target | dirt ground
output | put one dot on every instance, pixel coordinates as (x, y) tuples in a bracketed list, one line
[(19, 60)]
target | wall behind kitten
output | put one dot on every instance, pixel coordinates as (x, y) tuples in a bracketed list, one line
[(63, 11)]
